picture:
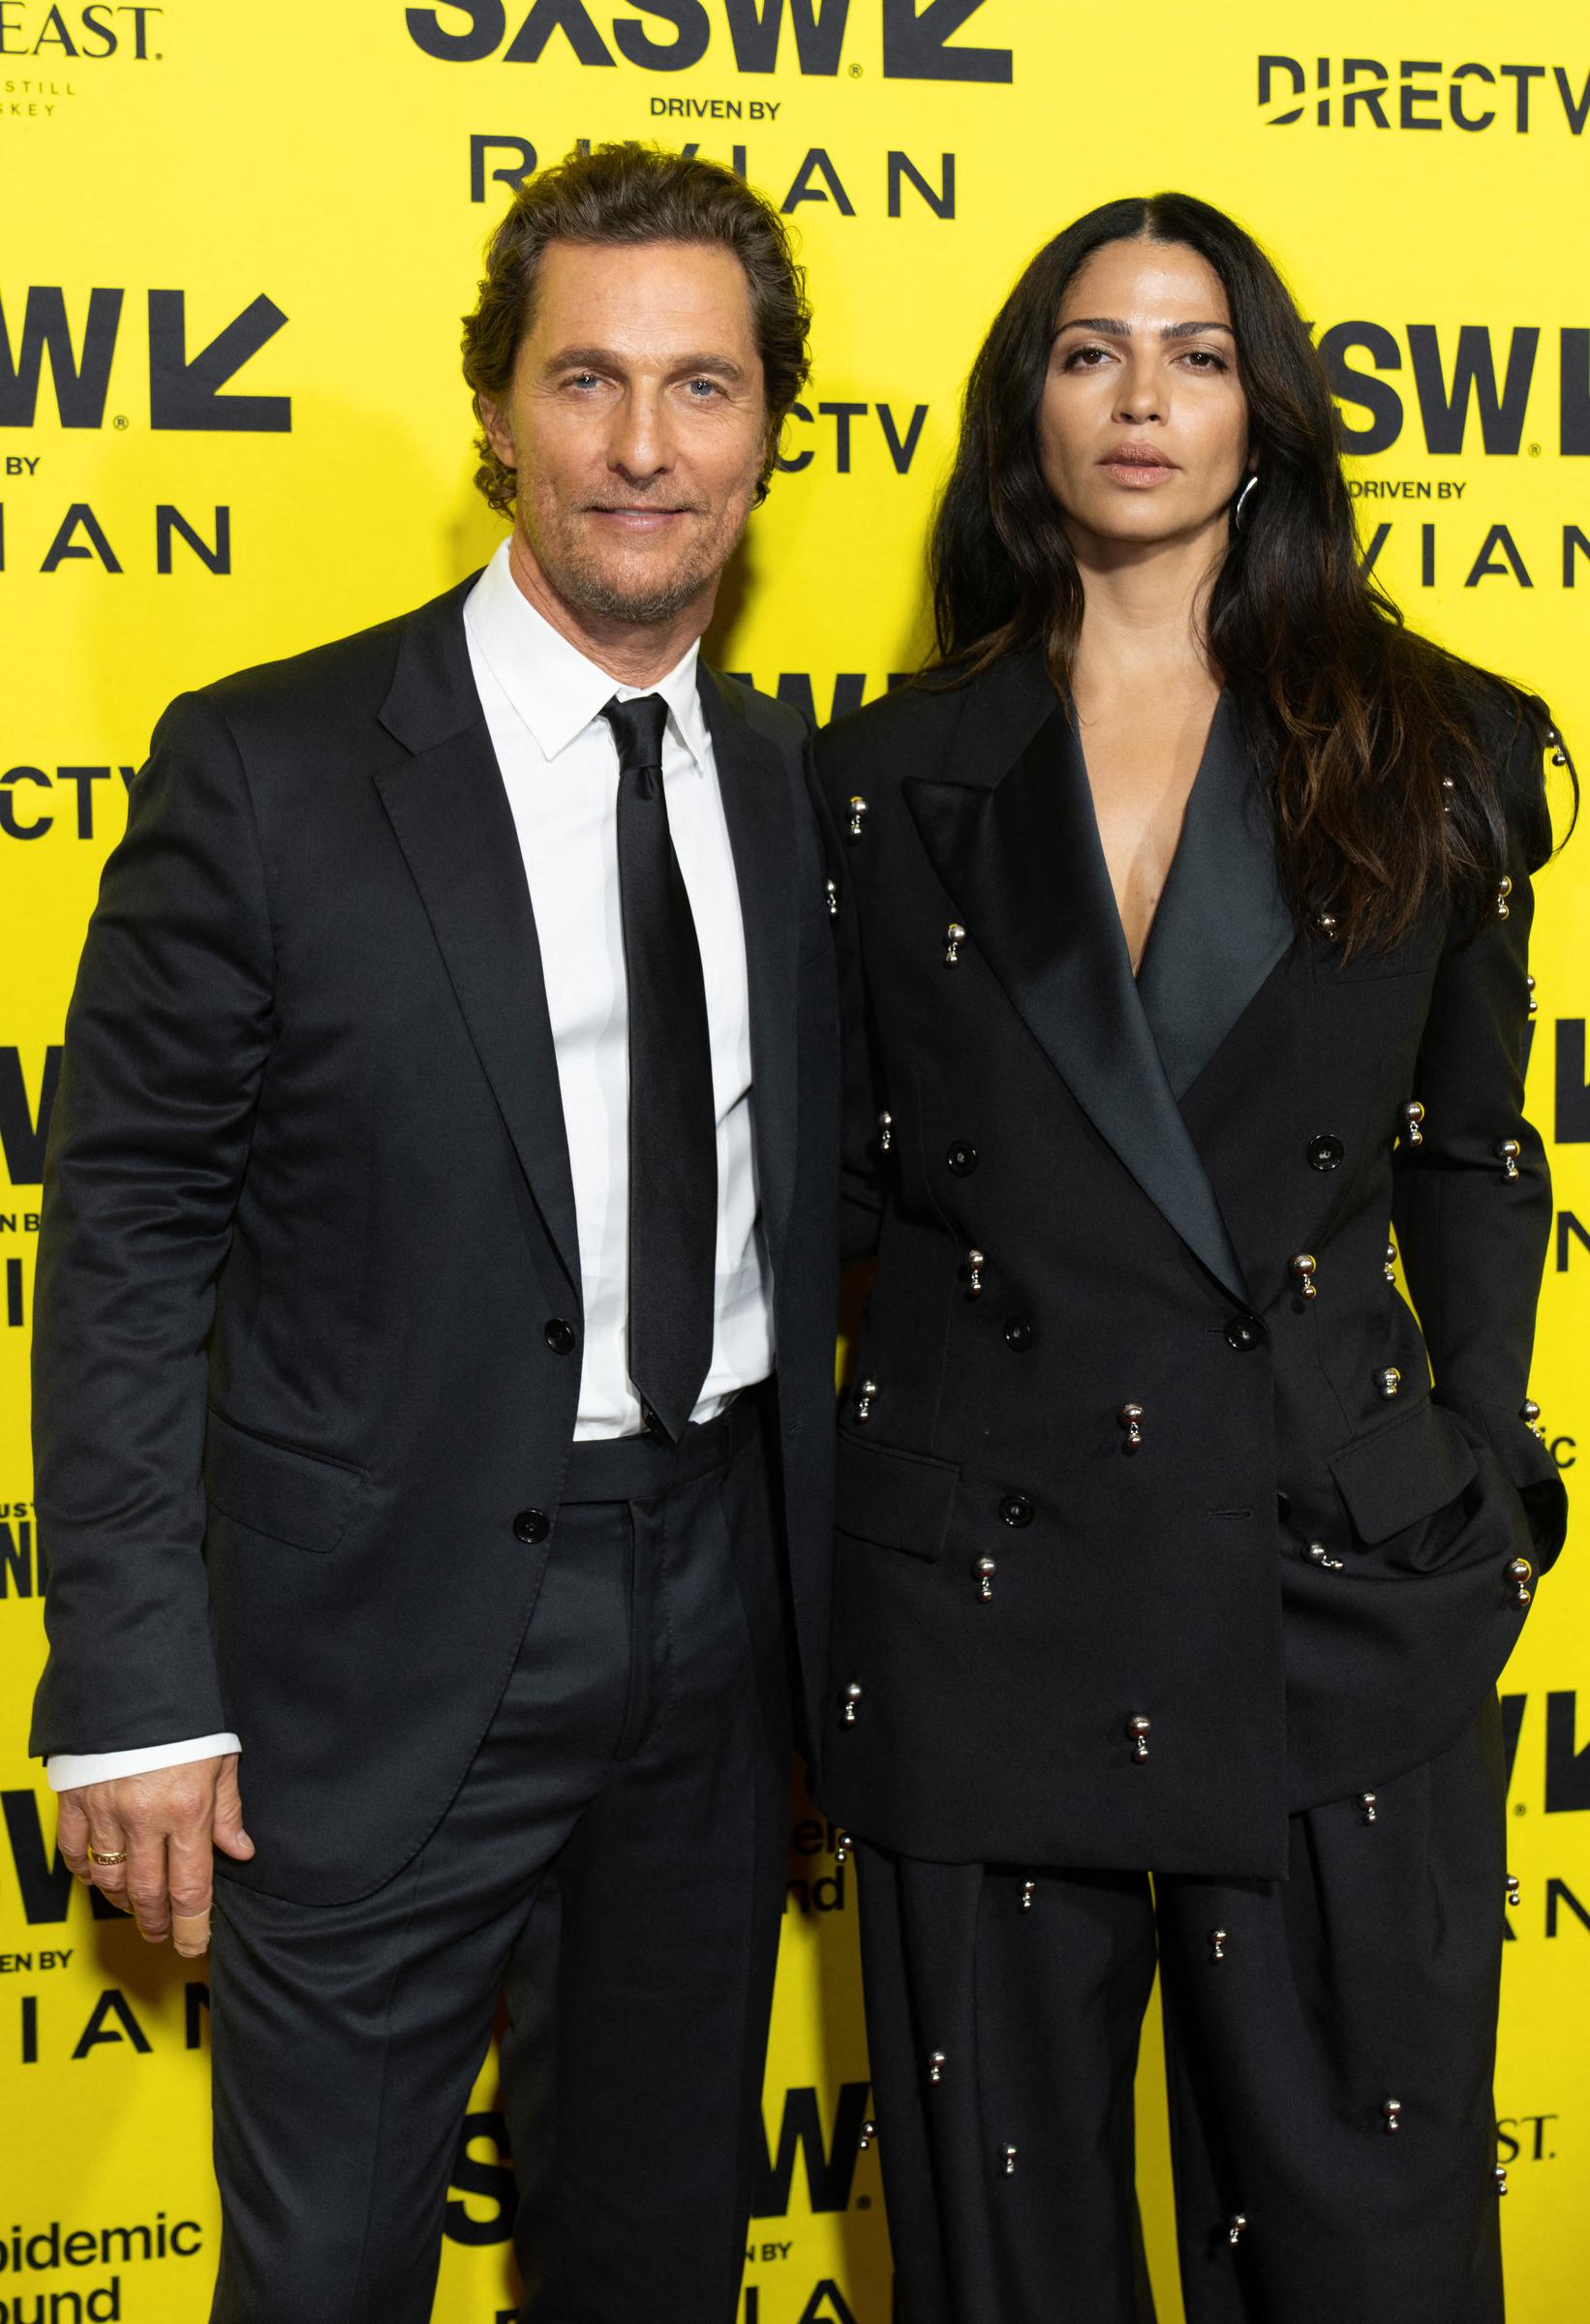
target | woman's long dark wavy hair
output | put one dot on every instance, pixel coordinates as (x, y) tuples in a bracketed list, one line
[(1382, 754)]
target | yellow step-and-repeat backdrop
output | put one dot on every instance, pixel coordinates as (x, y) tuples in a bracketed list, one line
[(235, 242)]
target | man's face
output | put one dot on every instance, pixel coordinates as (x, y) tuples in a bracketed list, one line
[(636, 422)]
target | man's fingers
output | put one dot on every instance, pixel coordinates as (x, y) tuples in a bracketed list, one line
[(72, 1837), (105, 1838), (228, 1827), (163, 1825), (146, 1893), (189, 1863)]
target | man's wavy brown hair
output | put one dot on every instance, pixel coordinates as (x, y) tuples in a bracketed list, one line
[(617, 193)]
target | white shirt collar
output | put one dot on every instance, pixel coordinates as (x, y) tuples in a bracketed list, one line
[(556, 690)]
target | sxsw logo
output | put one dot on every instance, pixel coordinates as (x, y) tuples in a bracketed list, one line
[(669, 36), (185, 387), (1486, 370)]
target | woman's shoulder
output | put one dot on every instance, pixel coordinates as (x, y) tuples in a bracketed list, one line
[(915, 716), (912, 730)]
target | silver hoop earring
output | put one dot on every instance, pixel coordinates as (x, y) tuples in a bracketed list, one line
[(1242, 499)]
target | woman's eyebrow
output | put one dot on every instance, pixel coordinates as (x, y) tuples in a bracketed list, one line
[(1111, 327)]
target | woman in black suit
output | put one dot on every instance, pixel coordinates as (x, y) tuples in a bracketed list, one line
[(1187, 902)]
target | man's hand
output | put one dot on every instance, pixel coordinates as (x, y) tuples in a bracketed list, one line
[(166, 1827)]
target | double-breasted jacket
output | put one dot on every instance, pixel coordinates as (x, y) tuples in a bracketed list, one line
[(1187, 1474)]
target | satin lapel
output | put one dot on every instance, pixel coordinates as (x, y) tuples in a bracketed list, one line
[(451, 818), (1222, 923), (754, 782), (1024, 865)]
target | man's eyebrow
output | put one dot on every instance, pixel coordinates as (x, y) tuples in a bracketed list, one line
[(718, 367), (1110, 326), (607, 358)]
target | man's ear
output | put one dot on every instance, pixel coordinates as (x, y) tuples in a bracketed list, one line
[(497, 435)]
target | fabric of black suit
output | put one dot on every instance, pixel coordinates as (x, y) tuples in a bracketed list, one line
[(303, 1420), (1146, 1552)]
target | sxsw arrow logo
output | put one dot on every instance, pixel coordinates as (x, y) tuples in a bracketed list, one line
[(185, 391)]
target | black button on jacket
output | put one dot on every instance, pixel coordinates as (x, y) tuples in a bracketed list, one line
[(1152, 1155)]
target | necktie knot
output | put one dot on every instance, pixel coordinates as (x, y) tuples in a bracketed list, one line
[(637, 729)]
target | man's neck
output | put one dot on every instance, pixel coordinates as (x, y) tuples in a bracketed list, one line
[(633, 652)]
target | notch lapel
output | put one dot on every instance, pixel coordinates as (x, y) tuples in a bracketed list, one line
[(1021, 858), (450, 814), (753, 783), (1223, 922)]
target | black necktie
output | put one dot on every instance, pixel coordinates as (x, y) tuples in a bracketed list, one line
[(673, 1122)]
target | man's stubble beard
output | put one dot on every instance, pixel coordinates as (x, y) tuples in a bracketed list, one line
[(581, 580)]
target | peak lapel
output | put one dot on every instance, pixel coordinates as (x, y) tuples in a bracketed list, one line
[(753, 783), (1222, 923), (451, 818), (1023, 862)]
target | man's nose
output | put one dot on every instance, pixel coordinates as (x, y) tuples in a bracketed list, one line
[(639, 444)]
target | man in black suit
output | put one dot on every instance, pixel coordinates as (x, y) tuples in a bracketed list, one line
[(444, 1158)]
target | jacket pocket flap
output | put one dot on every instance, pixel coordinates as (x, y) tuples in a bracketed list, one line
[(1402, 1473), (293, 1496), (901, 1500)]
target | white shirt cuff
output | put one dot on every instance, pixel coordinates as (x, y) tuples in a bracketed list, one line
[(69, 1770)]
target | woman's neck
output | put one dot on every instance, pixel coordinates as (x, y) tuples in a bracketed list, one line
[(1141, 623)]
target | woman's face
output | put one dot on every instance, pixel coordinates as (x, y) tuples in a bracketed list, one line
[(1142, 431)]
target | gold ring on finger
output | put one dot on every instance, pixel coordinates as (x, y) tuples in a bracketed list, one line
[(117, 1855)]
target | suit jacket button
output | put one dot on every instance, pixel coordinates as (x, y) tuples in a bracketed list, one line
[(1324, 1152), (532, 1526), (559, 1337), (1244, 1331), (962, 1159), (1015, 1509), (1019, 1333)]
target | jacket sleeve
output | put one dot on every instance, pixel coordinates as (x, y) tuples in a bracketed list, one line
[(862, 1185), (1471, 1203), (166, 1037)]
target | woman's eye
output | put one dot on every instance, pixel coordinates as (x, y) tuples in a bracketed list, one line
[(1086, 358), (1205, 359)]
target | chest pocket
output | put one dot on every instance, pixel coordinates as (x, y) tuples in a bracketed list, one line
[(1419, 954)]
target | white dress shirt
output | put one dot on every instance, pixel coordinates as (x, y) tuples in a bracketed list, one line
[(542, 700)]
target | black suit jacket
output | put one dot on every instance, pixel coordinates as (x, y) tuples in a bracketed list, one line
[(308, 1215), (1138, 1167)]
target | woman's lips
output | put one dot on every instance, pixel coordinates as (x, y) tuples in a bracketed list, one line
[(1137, 465)]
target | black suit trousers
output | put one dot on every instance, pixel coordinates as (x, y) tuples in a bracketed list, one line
[(1330, 2041), (640, 1757)]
